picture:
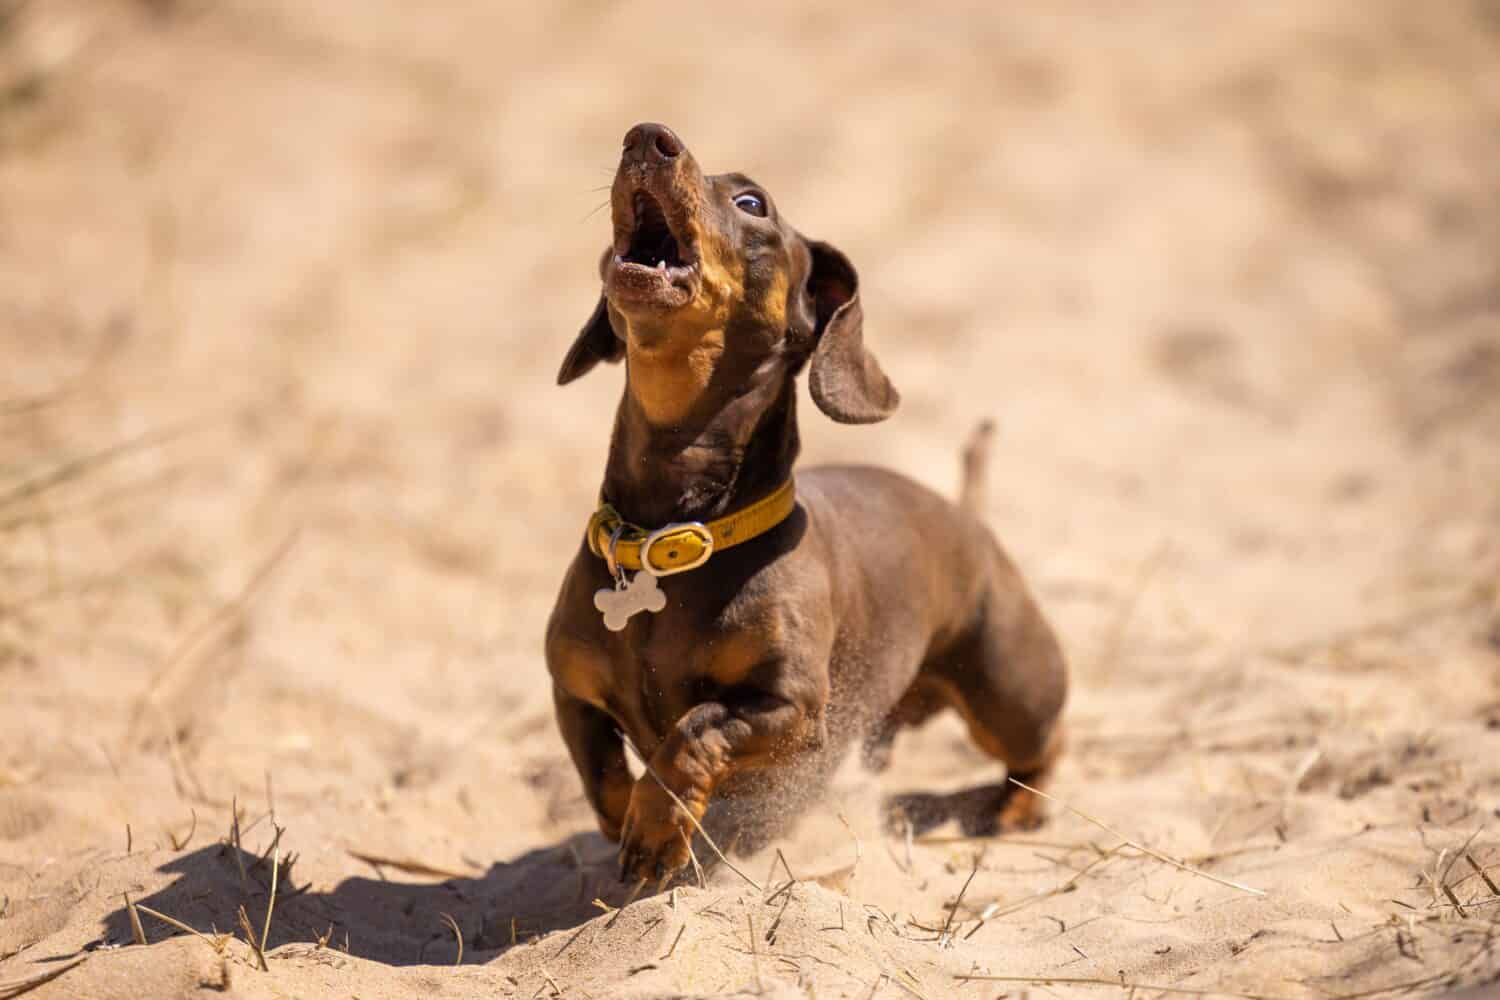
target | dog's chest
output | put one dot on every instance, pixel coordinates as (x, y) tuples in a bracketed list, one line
[(659, 667)]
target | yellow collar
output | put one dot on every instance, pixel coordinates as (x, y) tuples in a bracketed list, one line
[(684, 545)]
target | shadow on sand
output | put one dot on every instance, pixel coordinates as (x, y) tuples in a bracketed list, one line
[(381, 918), (384, 919), (975, 810)]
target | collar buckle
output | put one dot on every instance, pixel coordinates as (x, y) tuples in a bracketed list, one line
[(697, 529)]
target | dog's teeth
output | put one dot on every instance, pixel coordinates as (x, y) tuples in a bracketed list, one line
[(661, 265)]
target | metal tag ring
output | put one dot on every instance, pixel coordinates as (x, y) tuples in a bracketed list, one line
[(609, 554)]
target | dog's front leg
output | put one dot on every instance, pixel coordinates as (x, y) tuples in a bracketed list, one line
[(594, 742), (740, 731)]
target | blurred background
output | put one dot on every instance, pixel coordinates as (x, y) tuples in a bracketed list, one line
[(286, 486)]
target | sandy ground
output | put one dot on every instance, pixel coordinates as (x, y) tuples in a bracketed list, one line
[(286, 489)]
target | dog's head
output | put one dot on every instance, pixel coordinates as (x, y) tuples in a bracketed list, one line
[(704, 269)]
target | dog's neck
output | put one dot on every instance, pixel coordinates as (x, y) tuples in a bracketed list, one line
[(730, 448)]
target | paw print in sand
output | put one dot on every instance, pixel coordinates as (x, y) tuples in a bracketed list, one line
[(618, 604)]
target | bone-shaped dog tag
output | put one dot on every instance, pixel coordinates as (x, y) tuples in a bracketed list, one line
[(620, 602)]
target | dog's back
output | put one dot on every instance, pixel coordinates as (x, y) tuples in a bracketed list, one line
[(931, 601)]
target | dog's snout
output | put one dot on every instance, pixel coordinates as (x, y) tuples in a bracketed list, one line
[(652, 143)]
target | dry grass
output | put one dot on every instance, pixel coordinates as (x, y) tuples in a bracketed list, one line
[(217, 942), (18, 987), (458, 936), (410, 866), (1127, 842), (1121, 984)]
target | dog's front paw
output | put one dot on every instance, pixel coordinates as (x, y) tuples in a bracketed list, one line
[(654, 842)]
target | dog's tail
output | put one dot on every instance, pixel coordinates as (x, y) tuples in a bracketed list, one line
[(973, 490)]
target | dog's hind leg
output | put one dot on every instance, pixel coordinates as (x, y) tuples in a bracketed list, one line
[(1008, 682), (922, 701), (1007, 679)]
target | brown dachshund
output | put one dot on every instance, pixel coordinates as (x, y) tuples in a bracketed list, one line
[(737, 625)]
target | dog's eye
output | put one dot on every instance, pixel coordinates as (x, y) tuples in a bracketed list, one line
[(751, 204)]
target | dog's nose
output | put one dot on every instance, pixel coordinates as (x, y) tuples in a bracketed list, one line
[(649, 142)]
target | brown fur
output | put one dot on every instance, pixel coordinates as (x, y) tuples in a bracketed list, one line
[(874, 605)]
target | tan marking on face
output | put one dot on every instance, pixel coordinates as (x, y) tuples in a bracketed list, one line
[(773, 307), (667, 384), (672, 361)]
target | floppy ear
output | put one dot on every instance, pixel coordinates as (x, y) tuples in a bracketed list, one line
[(596, 342), (845, 379)]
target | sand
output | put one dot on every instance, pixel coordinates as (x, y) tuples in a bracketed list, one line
[(286, 489)]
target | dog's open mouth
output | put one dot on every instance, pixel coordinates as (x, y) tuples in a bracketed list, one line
[(655, 267), (652, 243)]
